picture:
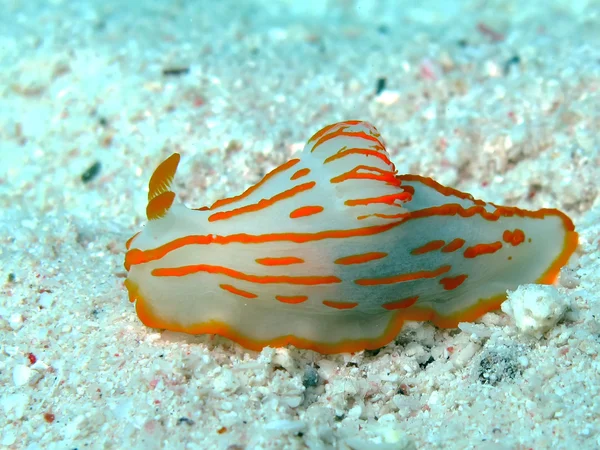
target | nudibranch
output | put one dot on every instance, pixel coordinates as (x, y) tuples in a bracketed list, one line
[(333, 251)]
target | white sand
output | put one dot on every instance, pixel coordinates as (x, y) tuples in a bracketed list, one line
[(81, 82)]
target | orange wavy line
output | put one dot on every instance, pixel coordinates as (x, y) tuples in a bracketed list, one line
[(262, 204), (259, 279), (234, 290), (404, 277), (280, 261), (482, 249), (305, 211), (361, 258), (291, 300), (340, 305), (251, 189), (429, 247)]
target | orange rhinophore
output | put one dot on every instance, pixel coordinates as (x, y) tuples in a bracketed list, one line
[(333, 251)]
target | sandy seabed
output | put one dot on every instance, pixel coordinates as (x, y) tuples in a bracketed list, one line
[(497, 98)]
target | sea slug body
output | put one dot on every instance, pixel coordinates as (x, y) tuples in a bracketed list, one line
[(333, 251)]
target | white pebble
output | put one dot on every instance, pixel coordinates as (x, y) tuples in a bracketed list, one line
[(14, 405), (22, 375), (45, 300), (16, 321), (388, 97), (535, 309), (292, 426)]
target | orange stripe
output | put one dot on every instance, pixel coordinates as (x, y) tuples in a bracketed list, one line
[(482, 249), (444, 190), (402, 278), (234, 290), (251, 189), (378, 175), (343, 132), (299, 174), (339, 305), (401, 304), (282, 261), (260, 279), (305, 211), (429, 247), (159, 205), (292, 300), (137, 256), (328, 128), (360, 258), (361, 151), (451, 283), (453, 245), (387, 199), (262, 204)]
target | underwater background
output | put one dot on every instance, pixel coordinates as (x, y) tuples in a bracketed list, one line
[(500, 99)]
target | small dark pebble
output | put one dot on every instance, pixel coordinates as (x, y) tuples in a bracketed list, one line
[(498, 365), (383, 29), (426, 363), (181, 420), (311, 377), (511, 62), (175, 71), (351, 364), (339, 418), (103, 121), (375, 352), (462, 43), (92, 172), (11, 278), (380, 86)]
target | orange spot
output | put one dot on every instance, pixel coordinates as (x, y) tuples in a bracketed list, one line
[(282, 261), (482, 249), (451, 283), (260, 279), (293, 300), (361, 258), (453, 245), (513, 237), (159, 205), (236, 291), (251, 189), (401, 304), (262, 204), (299, 174), (422, 274), (339, 305), (429, 247), (222, 430), (305, 211), (161, 179)]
